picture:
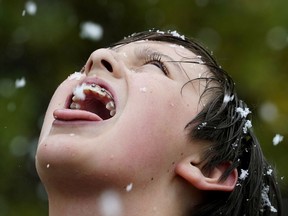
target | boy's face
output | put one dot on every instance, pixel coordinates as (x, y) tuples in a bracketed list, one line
[(146, 136)]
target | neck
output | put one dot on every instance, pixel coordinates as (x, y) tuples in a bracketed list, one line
[(130, 201)]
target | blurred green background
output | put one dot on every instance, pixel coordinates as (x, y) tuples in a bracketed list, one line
[(41, 42)]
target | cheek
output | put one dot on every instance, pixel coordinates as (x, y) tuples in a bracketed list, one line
[(142, 153), (150, 131)]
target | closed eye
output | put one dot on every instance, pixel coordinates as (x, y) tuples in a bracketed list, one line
[(155, 59)]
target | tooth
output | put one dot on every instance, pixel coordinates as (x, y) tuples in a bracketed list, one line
[(97, 89), (112, 112), (110, 106), (101, 92), (74, 98), (75, 106)]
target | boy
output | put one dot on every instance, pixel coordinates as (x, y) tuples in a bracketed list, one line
[(152, 126)]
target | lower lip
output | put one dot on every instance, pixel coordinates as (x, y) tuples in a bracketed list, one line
[(75, 123)]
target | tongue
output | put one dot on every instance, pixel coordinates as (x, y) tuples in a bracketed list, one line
[(73, 115)]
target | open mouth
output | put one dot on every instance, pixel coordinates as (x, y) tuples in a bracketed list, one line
[(94, 99)]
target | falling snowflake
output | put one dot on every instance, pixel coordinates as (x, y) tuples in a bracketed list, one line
[(20, 83), (91, 30), (277, 139), (30, 8), (110, 204)]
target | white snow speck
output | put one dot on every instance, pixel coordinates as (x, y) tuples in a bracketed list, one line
[(265, 199), (228, 98), (277, 139), (176, 34), (203, 124), (269, 172), (234, 145), (30, 8), (129, 187), (160, 32), (110, 204), (273, 209), (247, 125), (20, 83), (78, 91), (91, 30), (244, 174), (75, 75), (243, 112)]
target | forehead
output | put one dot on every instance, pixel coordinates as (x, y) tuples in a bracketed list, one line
[(188, 64), (173, 50)]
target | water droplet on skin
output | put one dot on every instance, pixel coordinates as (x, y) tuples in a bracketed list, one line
[(124, 54), (155, 209), (143, 89)]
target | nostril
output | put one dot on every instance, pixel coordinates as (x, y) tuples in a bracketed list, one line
[(107, 65)]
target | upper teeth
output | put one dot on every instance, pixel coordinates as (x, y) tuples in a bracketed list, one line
[(80, 95)]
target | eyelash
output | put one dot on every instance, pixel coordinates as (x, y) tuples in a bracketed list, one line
[(156, 60)]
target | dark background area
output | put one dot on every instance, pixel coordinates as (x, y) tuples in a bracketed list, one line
[(248, 38)]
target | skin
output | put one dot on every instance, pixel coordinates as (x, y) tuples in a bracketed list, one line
[(141, 146)]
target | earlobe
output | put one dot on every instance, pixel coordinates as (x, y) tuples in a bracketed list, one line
[(194, 175)]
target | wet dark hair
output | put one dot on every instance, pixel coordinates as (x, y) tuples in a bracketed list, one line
[(225, 122)]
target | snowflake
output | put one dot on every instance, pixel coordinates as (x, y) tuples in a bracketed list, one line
[(243, 112), (244, 174), (277, 139)]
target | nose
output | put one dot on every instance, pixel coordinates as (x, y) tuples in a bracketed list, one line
[(104, 60)]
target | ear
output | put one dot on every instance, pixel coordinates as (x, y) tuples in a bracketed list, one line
[(194, 175)]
